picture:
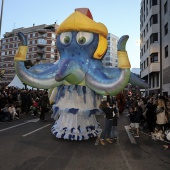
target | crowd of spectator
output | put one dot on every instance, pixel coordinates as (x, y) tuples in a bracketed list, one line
[(151, 113), (15, 101)]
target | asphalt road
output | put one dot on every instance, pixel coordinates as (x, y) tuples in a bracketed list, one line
[(28, 144)]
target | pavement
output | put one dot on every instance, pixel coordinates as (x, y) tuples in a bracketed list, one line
[(28, 143)]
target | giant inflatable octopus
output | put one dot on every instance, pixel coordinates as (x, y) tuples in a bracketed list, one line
[(78, 80)]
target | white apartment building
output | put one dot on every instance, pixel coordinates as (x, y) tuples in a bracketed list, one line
[(110, 59), (155, 44)]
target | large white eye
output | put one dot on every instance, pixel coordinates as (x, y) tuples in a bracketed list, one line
[(84, 38), (65, 38)]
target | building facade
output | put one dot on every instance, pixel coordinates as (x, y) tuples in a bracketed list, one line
[(41, 41), (155, 45), (110, 59)]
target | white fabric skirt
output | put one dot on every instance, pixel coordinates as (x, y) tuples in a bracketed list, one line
[(74, 113)]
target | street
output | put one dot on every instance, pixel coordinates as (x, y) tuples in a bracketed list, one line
[(28, 144)]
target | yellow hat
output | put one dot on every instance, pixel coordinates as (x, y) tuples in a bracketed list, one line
[(77, 21), (80, 22)]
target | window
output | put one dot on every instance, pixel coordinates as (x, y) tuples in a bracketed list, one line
[(108, 64), (165, 7), (3, 53), (53, 43), (154, 19), (166, 29), (154, 2), (144, 5), (147, 44), (52, 56), (4, 41), (107, 58), (154, 38), (147, 28), (3, 46), (166, 51), (154, 57), (150, 3), (41, 41), (53, 35)]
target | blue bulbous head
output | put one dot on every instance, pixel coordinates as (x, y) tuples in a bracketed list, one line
[(76, 50), (77, 45)]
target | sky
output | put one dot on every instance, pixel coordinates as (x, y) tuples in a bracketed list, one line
[(121, 17)]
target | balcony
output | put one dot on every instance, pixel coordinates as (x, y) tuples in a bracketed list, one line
[(41, 44), (154, 47), (144, 72), (40, 51), (154, 67), (42, 36), (42, 31)]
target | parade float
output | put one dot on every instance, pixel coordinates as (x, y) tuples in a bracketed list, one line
[(79, 79)]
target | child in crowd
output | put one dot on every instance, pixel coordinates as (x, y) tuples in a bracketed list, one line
[(114, 131), (136, 119), (6, 115), (34, 107), (12, 111), (131, 119)]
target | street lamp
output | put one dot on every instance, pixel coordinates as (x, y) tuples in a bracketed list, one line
[(2, 5)]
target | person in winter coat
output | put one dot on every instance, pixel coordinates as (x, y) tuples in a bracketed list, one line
[(161, 118), (114, 131), (151, 115), (131, 118), (108, 110), (44, 103), (136, 119)]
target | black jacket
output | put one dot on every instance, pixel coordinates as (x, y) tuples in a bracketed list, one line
[(108, 112), (115, 117), (44, 101), (137, 116)]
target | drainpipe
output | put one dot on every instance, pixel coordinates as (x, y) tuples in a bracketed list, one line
[(160, 11)]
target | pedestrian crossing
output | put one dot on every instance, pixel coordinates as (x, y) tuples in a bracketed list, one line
[(132, 139)]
